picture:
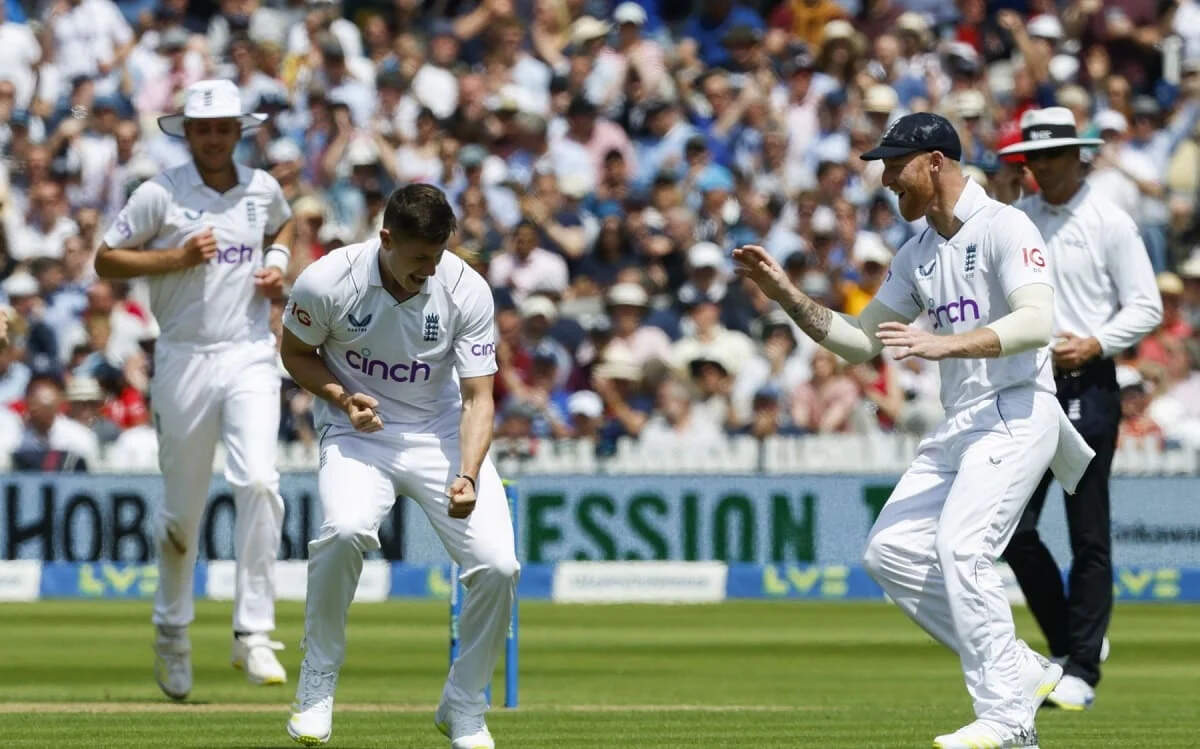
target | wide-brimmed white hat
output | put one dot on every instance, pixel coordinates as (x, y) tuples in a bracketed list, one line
[(1052, 127), (210, 100)]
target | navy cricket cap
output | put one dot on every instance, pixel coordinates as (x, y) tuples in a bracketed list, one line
[(920, 131)]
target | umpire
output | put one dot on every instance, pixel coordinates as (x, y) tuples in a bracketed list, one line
[(1106, 301)]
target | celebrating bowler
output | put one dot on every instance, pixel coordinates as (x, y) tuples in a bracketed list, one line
[(397, 338)]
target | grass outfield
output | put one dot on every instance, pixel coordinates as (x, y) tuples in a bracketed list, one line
[(745, 674)]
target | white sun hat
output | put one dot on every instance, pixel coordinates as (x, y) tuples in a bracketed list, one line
[(209, 100), (1052, 127)]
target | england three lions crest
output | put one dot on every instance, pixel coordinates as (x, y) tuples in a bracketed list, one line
[(431, 327)]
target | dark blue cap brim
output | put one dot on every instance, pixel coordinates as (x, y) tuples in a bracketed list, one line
[(889, 152)]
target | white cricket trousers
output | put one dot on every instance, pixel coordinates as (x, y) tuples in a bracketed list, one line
[(934, 547), (359, 479), (199, 396)]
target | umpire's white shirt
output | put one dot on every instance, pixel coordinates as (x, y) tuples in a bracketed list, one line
[(963, 283), (1104, 283), (408, 355), (213, 303)]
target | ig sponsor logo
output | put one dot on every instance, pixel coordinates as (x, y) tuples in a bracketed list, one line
[(301, 315)]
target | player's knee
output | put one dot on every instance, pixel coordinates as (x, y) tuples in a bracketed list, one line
[(500, 570), (350, 533)]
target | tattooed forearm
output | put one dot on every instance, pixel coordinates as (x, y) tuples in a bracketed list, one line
[(812, 318)]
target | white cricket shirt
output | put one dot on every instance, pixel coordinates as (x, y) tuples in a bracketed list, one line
[(215, 302), (1104, 284), (963, 283), (408, 355)]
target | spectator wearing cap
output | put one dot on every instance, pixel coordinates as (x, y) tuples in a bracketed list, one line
[(768, 416), (85, 400), (546, 394), (585, 415), (597, 135), (705, 335), (1174, 325), (704, 31), (840, 51), (638, 52), (41, 347), (871, 259), (1137, 428), (1127, 177), (617, 379), (721, 117), (50, 437), (539, 313), (627, 304)]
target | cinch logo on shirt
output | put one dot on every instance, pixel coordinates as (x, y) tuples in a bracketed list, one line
[(483, 349), (954, 311), (387, 372), (243, 254)]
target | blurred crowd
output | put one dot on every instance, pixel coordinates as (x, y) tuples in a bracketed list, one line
[(604, 159)]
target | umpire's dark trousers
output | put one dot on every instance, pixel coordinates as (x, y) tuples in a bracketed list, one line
[(1075, 620)]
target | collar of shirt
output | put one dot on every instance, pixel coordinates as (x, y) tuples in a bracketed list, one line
[(373, 276), (244, 174), (972, 200)]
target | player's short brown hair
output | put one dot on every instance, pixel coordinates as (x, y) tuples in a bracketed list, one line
[(419, 212)]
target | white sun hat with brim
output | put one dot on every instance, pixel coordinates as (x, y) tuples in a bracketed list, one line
[(210, 100), (1052, 127)]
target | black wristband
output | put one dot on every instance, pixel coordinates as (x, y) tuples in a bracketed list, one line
[(468, 478)]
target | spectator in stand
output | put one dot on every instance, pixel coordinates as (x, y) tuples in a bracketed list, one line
[(85, 401), (1174, 327), (52, 440), (826, 403), (1137, 428), (524, 266), (678, 423)]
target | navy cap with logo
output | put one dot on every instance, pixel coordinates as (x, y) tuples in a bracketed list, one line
[(920, 131)]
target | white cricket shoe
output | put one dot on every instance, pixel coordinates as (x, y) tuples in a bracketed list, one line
[(312, 715), (1072, 693), (465, 730), (255, 654), (1039, 675), (981, 735), (173, 662)]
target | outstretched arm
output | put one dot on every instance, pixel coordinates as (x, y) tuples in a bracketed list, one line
[(849, 337)]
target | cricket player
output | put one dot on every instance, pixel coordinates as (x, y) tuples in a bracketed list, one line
[(978, 274), (1106, 300), (197, 233), (396, 337)]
